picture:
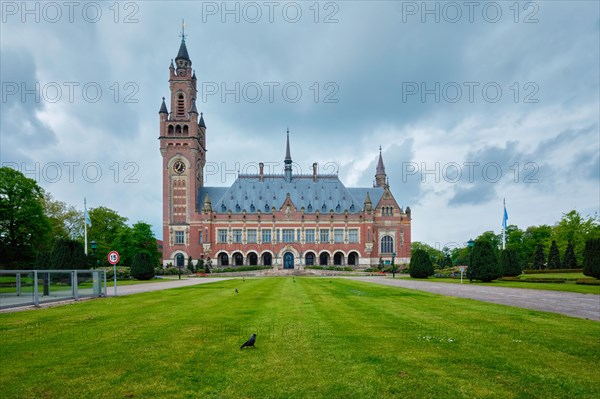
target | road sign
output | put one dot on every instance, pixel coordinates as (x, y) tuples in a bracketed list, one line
[(462, 269), (113, 257)]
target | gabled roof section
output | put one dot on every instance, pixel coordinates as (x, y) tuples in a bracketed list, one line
[(323, 194)]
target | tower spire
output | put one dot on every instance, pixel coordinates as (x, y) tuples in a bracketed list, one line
[(380, 176), (288, 159), (183, 58)]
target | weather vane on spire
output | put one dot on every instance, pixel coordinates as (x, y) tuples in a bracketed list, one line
[(182, 29)]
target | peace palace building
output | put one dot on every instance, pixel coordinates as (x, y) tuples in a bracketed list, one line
[(286, 221)]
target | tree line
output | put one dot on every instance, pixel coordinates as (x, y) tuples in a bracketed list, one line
[(571, 243), (38, 231)]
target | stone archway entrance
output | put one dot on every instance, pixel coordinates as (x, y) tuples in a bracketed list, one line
[(179, 260), (288, 260)]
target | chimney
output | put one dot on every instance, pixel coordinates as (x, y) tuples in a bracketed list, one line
[(315, 171), (261, 174)]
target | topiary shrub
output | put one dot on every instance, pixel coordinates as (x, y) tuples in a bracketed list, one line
[(485, 264), (511, 265), (420, 264), (554, 257), (591, 258), (141, 267), (570, 261)]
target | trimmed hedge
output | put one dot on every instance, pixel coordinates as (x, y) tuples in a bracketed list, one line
[(240, 269), (552, 271), (588, 281), (338, 268), (533, 280)]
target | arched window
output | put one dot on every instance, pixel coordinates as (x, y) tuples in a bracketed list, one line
[(180, 106), (387, 245)]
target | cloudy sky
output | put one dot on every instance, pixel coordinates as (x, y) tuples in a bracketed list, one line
[(471, 103)]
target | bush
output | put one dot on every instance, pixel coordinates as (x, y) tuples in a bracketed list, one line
[(570, 261), (591, 258), (170, 271), (511, 265), (588, 281), (420, 264), (141, 268), (485, 265), (552, 271), (240, 269), (123, 272), (338, 268), (554, 256)]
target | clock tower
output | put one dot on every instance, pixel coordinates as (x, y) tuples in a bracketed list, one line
[(183, 149)]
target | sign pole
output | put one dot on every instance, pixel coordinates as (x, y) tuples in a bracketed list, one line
[(113, 259)]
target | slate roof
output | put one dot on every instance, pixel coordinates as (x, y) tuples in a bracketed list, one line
[(325, 194), (183, 53)]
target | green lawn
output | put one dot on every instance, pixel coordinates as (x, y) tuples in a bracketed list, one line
[(316, 339)]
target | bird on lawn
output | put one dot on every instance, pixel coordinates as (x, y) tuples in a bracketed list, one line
[(250, 342), (236, 291)]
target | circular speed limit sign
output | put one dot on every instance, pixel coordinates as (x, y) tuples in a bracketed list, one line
[(113, 257)]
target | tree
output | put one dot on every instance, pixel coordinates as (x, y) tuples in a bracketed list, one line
[(435, 255), (420, 264), (24, 229), (591, 258), (142, 267), (570, 261), (66, 221), (200, 266), (105, 228), (554, 256), (67, 254), (485, 263), (538, 260), (533, 236), (131, 240), (511, 265), (576, 229), (190, 264)]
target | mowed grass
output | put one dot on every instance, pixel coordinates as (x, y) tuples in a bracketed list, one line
[(317, 338)]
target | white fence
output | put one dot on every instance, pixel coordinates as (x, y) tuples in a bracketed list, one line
[(33, 287)]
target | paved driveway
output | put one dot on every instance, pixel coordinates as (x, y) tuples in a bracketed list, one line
[(585, 306)]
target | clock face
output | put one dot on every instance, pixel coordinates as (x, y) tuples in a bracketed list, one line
[(179, 167)]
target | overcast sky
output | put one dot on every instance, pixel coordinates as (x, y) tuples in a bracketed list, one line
[(471, 102)]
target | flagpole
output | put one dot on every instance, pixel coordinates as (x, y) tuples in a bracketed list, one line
[(85, 225), (504, 226)]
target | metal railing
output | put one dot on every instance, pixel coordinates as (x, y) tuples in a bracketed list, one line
[(33, 287)]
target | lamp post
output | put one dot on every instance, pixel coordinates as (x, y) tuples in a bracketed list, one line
[(471, 244), (393, 265), (94, 246)]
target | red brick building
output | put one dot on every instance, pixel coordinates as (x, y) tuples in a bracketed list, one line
[(283, 220)]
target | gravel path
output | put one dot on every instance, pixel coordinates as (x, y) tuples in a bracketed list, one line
[(585, 306)]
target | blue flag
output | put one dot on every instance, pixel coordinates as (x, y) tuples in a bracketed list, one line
[(505, 218)]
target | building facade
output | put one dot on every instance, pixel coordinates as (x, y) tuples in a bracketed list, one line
[(286, 220)]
